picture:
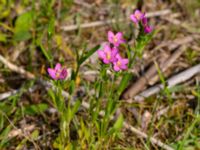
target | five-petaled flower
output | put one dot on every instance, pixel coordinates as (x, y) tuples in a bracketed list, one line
[(58, 72), (108, 54), (121, 63), (137, 16), (115, 39)]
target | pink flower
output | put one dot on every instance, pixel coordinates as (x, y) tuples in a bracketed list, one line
[(148, 29), (58, 72), (117, 39), (108, 55), (144, 21), (120, 64), (137, 16)]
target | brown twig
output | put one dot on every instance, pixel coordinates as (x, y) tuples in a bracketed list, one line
[(22, 132), (164, 66), (16, 68), (143, 135), (183, 25), (13, 92), (176, 79), (177, 42)]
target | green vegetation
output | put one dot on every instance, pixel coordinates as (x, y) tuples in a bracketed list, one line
[(33, 36)]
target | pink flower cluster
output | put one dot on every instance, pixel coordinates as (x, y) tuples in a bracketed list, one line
[(110, 53), (57, 73), (138, 16)]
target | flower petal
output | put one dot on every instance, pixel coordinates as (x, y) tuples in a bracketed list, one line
[(116, 44), (107, 49), (124, 67), (124, 61), (115, 50), (58, 66), (139, 14), (116, 68), (63, 74), (119, 35), (133, 18), (144, 21), (101, 54), (118, 57), (52, 73), (110, 36), (148, 29), (137, 11), (106, 61)]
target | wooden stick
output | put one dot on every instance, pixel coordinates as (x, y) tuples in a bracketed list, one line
[(176, 79), (164, 66), (13, 92), (102, 23), (16, 68), (177, 22), (8, 94), (145, 136)]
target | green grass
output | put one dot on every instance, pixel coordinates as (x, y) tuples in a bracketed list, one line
[(59, 125)]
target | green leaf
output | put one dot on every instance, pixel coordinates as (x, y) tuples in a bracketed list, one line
[(45, 52), (3, 37), (51, 94), (119, 123), (142, 41), (5, 108), (35, 134), (117, 126), (88, 54), (72, 86), (99, 90), (75, 108), (22, 35), (22, 26), (5, 9), (4, 136), (35, 109), (124, 83), (24, 21), (51, 27)]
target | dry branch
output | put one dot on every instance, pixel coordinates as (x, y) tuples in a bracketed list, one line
[(176, 79), (102, 23), (177, 42), (20, 132), (182, 24), (8, 94), (164, 66), (16, 68), (13, 92), (143, 135)]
